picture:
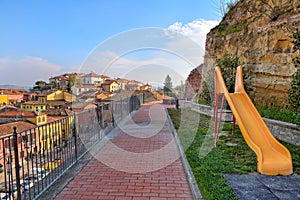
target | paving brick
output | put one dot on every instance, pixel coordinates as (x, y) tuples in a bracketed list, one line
[(136, 172)]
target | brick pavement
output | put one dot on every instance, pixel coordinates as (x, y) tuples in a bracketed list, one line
[(141, 162)]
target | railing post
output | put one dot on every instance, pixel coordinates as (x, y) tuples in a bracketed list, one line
[(121, 109), (17, 166), (102, 117), (112, 114), (74, 133)]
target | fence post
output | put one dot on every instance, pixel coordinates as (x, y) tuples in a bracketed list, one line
[(17, 165), (121, 109), (102, 117), (112, 114), (74, 133)]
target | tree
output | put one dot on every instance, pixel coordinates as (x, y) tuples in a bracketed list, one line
[(180, 89), (41, 85), (168, 85), (71, 82), (223, 6)]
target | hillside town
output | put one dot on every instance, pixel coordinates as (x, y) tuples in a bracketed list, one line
[(51, 103), (59, 98)]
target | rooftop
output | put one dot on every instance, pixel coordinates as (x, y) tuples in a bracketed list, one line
[(6, 129)]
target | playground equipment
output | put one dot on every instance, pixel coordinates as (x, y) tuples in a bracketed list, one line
[(272, 157)]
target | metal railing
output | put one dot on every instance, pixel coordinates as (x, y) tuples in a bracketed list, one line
[(32, 160)]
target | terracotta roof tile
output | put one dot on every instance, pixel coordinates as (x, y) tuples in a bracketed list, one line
[(6, 129), (17, 113)]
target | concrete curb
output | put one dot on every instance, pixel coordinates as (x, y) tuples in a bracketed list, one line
[(191, 179)]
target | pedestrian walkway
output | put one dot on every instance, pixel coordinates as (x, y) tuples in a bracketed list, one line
[(141, 162)]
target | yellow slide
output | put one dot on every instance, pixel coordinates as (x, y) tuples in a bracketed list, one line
[(272, 157)]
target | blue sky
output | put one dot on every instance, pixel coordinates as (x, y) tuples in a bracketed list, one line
[(40, 39)]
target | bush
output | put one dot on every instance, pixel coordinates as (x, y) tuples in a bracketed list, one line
[(294, 90), (228, 64), (279, 114)]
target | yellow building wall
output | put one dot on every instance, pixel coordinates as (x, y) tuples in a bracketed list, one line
[(62, 130), (31, 107), (38, 120), (50, 133), (4, 99), (69, 97), (114, 86), (57, 95)]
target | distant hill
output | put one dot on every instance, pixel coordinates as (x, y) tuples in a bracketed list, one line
[(16, 86)]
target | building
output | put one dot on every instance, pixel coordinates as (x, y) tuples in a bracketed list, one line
[(15, 95), (122, 82), (63, 80), (11, 113), (110, 85), (55, 95), (134, 85), (29, 96), (146, 87), (33, 106), (49, 99), (102, 96), (37, 132), (4, 100), (6, 143), (94, 79), (79, 89)]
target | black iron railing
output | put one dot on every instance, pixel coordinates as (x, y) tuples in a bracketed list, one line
[(32, 160)]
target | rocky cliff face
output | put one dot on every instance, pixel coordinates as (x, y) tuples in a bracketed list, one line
[(193, 82), (260, 35)]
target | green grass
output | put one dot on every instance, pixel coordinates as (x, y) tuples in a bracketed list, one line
[(279, 114), (210, 168)]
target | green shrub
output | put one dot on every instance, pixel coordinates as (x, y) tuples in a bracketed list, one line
[(294, 90), (228, 64), (279, 114)]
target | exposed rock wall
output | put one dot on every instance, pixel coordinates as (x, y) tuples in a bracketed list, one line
[(193, 82), (260, 35)]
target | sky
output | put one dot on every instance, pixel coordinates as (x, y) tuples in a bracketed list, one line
[(119, 38)]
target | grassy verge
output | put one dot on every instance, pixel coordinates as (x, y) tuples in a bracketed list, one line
[(232, 155), (279, 114)]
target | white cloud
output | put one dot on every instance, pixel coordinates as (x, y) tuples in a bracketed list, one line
[(150, 54), (26, 71), (196, 30), (146, 65)]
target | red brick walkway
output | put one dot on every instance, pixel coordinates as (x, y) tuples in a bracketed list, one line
[(141, 162)]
